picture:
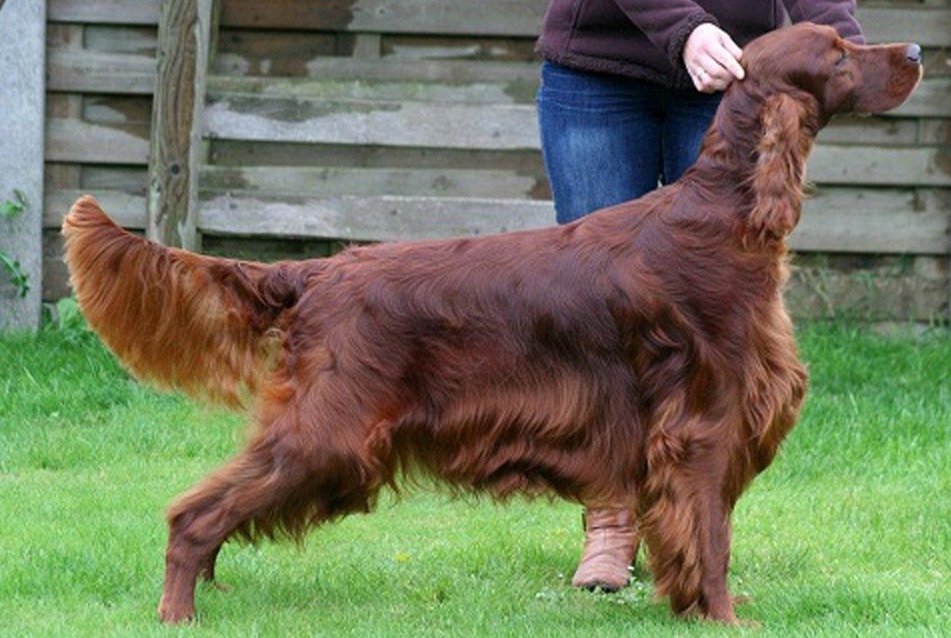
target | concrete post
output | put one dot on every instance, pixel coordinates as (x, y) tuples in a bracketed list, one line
[(22, 111)]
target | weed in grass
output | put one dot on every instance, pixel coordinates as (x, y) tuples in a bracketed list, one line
[(847, 534), (10, 209)]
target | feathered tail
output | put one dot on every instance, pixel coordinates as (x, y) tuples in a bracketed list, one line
[(174, 318)]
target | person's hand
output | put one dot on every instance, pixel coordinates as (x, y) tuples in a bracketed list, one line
[(712, 58)]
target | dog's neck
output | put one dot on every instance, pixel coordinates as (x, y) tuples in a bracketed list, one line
[(754, 155), (732, 144)]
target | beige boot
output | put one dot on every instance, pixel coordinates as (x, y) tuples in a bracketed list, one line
[(610, 545)]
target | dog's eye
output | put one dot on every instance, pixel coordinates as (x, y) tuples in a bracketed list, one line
[(842, 58)]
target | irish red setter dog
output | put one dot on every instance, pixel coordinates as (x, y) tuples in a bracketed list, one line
[(642, 354)]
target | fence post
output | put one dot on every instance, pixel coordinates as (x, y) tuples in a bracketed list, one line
[(175, 152), (22, 110)]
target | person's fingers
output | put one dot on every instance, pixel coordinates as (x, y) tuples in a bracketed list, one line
[(710, 82), (698, 44), (731, 46), (699, 80), (728, 55), (723, 66), (710, 75), (711, 57)]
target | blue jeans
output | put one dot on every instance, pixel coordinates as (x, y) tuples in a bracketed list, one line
[(607, 139)]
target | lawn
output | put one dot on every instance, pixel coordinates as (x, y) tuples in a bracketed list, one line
[(847, 534)]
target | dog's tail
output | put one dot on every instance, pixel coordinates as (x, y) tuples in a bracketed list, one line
[(179, 320)]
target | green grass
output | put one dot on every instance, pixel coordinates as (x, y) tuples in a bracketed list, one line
[(847, 534)]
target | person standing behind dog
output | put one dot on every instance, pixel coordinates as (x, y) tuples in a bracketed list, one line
[(628, 90)]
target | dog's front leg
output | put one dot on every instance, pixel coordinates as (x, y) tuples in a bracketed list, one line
[(686, 520)]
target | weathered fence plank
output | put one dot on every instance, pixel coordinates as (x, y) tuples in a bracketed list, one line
[(494, 126), (358, 218), (877, 221), (105, 11), (928, 26), (517, 86), (85, 71), (327, 181), (876, 166), (870, 288), (507, 17), (75, 140), (833, 220)]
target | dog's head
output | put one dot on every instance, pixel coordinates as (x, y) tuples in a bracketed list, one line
[(814, 64), (796, 80)]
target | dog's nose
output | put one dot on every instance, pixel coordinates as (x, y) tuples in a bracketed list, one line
[(913, 53)]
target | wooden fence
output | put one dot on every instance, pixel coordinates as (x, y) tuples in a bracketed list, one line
[(392, 119)]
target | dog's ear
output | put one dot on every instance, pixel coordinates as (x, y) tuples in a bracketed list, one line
[(788, 130)]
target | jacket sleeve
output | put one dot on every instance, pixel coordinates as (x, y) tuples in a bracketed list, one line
[(667, 23), (834, 13)]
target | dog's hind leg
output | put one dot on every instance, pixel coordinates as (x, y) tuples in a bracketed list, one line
[(686, 522), (199, 523), (207, 569), (282, 484)]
